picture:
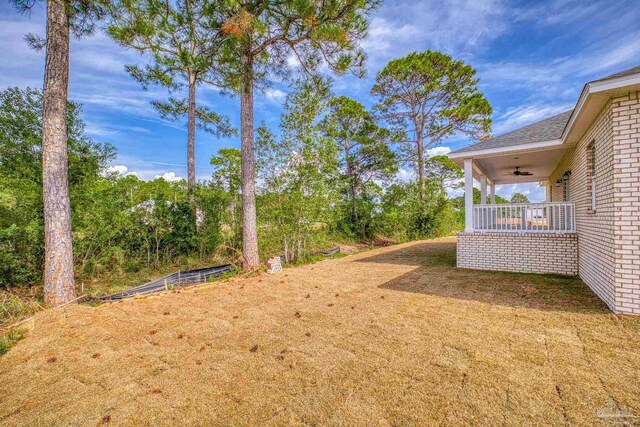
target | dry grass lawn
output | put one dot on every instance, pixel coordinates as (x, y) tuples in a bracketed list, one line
[(396, 336)]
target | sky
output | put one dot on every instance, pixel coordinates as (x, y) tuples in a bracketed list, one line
[(532, 58)]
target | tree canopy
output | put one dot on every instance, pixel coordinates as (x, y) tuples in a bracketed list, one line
[(363, 146), (519, 198), (184, 41), (430, 96)]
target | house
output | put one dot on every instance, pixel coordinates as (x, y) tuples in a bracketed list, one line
[(588, 161)]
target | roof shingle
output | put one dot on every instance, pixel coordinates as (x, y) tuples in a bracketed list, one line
[(627, 72), (544, 130)]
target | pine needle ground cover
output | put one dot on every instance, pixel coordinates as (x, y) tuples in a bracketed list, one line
[(394, 336)]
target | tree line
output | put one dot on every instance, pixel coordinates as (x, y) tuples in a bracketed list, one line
[(329, 168)]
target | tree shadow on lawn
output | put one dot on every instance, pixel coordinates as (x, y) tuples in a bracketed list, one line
[(437, 275)]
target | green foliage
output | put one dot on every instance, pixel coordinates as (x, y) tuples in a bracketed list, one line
[(364, 157), (12, 336), (446, 171), (261, 38), (183, 40), (406, 216), (430, 96), (327, 176), (458, 202), (298, 192), (120, 224), (83, 16), (519, 198), (21, 217)]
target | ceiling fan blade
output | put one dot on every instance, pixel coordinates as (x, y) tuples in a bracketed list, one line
[(526, 173)]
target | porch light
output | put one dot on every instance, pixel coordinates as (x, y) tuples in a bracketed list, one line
[(557, 183)]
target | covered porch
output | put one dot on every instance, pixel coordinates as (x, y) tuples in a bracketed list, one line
[(555, 215), (537, 237)]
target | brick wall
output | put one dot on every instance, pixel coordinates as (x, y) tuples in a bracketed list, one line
[(609, 236), (626, 200), (521, 252), (596, 263)]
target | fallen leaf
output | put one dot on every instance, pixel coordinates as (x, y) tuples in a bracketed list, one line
[(254, 348)]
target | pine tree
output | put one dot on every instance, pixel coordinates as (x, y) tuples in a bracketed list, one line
[(64, 17), (266, 36), (183, 40), (364, 145), (431, 96)]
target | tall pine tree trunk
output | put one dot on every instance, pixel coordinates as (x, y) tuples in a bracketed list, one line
[(191, 145), (420, 148), (249, 221), (352, 184), (59, 285)]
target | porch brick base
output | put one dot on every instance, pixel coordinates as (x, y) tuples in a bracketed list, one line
[(519, 252)]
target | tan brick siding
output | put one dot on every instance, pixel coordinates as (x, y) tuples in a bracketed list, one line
[(596, 264), (521, 252), (609, 238), (626, 176)]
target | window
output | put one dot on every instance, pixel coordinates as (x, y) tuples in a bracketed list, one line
[(591, 173)]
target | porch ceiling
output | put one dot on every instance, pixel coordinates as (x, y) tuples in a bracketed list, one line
[(499, 167)]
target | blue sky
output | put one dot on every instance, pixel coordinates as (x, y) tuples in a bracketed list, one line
[(533, 59)]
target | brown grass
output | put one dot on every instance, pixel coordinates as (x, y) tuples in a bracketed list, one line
[(395, 336)]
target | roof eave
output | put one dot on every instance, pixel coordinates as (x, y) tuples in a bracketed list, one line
[(595, 93), (490, 152), (598, 91)]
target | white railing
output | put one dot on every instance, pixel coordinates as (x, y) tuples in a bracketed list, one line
[(525, 217)]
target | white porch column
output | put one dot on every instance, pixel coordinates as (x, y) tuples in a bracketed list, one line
[(492, 190), (468, 195), (483, 189), (547, 192)]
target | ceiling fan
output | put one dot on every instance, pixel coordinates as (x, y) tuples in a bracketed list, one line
[(518, 172)]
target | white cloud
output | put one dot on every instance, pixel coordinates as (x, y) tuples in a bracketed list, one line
[(449, 25), (121, 170), (170, 177), (438, 151), (550, 78), (405, 175), (275, 95), (98, 130)]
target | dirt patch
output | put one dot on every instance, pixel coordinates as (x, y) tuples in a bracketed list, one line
[(410, 340)]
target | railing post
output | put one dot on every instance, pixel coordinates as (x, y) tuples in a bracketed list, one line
[(468, 196)]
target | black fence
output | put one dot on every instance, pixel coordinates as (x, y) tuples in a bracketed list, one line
[(172, 281)]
